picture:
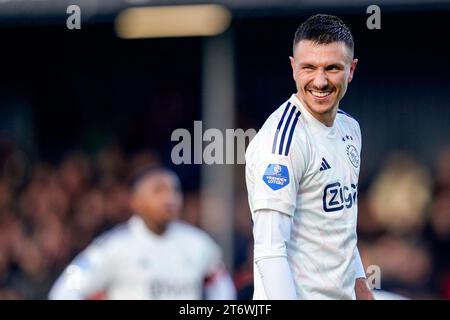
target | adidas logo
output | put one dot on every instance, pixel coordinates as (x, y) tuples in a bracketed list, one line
[(325, 165)]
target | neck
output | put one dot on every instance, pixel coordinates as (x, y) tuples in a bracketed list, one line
[(326, 118), (156, 228)]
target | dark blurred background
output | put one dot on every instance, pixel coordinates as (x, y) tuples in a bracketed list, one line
[(82, 109)]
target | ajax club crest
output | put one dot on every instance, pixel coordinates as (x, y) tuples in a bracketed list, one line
[(353, 155), (352, 152)]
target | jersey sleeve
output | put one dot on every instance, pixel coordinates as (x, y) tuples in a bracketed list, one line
[(86, 275), (273, 178)]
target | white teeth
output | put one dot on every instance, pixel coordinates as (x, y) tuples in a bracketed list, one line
[(320, 94)]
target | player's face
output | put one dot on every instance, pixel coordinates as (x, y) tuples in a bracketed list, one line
[(158, 199), (322, 73)]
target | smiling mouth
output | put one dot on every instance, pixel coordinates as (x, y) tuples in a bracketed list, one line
[(320, 94)]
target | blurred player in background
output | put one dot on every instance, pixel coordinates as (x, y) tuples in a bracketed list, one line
[(152, 256), (302, 173)]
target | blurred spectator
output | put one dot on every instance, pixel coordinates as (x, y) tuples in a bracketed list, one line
[(443, 168), (110, 165), (75, 173), (393, 219), (400, 195), (438, 232)]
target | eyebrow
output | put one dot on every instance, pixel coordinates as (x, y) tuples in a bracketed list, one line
[(336, 64), (306, 65)]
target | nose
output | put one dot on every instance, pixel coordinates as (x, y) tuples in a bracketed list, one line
[(320, 80)]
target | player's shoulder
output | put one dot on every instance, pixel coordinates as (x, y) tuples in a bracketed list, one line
[(348, 120), (113, 236), (281, 118), (190, 234), (278, 131), (188, 230)]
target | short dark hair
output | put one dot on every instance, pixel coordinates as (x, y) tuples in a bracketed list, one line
[(141, 173), (324, 29)]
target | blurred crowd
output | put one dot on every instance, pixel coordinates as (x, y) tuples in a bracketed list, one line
[(404, 226), (50, 212)]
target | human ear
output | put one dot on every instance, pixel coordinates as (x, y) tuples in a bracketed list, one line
[(352, 69), (292, 66)]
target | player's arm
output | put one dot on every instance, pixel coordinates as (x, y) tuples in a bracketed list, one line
[(271, 231), (85, 276), (273, 172), (219, 285), (217, 282), (362, 290)]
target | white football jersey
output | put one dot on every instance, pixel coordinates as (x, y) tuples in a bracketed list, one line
[(300, 167), (130, 262)]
